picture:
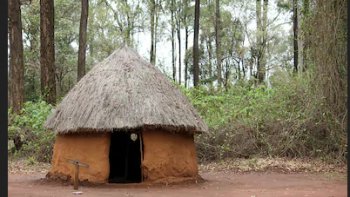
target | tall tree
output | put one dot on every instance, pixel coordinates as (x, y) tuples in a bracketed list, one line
[(16, 56), (186, 18), (295, 34), (152, 12), (127, 20), (158, 5), (82, 38), (264, 43), (195, 44), (172, 11), (258, 35), (178, 32), (261, 39), (306, 33), (218, 41), (210, 70), (47, 51), (328, 46)]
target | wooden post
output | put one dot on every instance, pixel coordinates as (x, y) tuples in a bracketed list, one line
[(76, 178), (77, 163), (141, 151)]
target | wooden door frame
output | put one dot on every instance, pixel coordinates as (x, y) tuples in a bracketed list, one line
[(141, 153)]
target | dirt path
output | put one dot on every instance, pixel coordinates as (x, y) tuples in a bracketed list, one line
[(254, 184)]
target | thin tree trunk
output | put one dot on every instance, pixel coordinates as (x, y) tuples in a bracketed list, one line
[(209, 48), (239, 70), (195, 44), (179, 41), (300, 42), (155, 35), (16, 56), (82, 38), (264, 44), (258, 37), (33, 82), (226, 76), (218, 41), (243, 68), (47, 51), (152, 15), (91, 38), (186, 40), (9, 91), (173, 39), (186, 59), (295, 34), (129, 25), (305, 45), (261, 40), (32, 31)]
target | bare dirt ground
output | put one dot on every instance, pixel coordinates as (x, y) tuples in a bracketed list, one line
[(251, 179)]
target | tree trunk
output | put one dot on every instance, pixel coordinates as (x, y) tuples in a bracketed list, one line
[(152, 15), (306, 31), (155, 35), (186, 40), (226, 76), (82, 38), (218, 41), (179, 41), (195, 44), (295, 34), (258, 36), (90, 41), (186, 59), (243, 69), (209, 48), (173, 39), (16, 56), (34, 61), (300, 42), (9, 91), (261, 40), (264, 44), (47, 51)]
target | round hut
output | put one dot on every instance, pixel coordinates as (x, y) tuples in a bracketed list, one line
[(127, 122)]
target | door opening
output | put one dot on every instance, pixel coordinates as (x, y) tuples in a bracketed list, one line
[(125, 157)]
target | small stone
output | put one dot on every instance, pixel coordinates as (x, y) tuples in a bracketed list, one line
[(77, 193)]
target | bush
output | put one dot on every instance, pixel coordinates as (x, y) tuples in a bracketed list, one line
[(28, 127), (287, 120)]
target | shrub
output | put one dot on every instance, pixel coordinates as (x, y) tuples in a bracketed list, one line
[(28, 126), (286, 120)]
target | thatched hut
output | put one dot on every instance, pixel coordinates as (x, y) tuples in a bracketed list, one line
[(127, 122)]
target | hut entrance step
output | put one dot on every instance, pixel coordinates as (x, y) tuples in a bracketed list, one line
[(125, 157)]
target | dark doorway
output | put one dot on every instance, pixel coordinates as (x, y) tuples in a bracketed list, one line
[(125, 158)]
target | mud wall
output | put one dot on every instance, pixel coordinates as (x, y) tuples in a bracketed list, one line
[(92, 149), (168, 155)]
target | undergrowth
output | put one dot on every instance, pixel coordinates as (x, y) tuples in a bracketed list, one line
[(27, 136), (285, 120)]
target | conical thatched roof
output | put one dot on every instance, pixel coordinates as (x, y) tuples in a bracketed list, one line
[(124, 92)]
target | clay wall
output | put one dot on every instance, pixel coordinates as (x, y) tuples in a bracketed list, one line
[(92, 149), (168, 155)]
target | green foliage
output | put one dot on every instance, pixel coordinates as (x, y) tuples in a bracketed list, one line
[(284, 5), (286, 120), (29, 126)]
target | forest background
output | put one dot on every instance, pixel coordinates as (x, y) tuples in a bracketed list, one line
[(268, 77)]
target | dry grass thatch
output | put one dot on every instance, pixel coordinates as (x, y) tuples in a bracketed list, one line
[(124, 92)]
